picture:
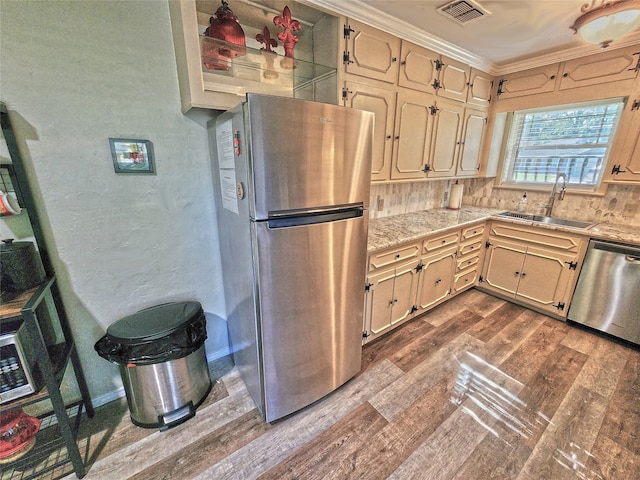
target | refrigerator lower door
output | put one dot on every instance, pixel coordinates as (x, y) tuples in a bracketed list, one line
[(311, 297)]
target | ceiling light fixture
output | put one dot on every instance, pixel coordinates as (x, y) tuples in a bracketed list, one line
[(609, 21)]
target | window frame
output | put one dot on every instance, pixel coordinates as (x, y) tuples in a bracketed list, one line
[(599, 188)]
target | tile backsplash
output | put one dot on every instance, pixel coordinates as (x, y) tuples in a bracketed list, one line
[(620, 205), (398, 198)]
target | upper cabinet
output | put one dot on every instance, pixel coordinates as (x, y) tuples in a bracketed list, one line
[(624, 166), (613, 66), (371, 53), (217, 75), (528, 82), (419, 132)]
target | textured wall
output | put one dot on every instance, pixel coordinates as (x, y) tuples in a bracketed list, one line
[(75, 73), (620, 205)]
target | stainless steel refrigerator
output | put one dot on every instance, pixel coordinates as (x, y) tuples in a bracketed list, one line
[(292, 180)]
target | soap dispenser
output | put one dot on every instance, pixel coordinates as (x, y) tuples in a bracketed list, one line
[(522, 204)]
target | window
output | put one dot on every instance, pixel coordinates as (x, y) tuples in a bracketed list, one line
[(569, 139)]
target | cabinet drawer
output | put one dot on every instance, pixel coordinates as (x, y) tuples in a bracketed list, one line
[(471, 232), (434, 243), (467, 262), (539, 236), (397, 254), (470, 247), (464, 280)]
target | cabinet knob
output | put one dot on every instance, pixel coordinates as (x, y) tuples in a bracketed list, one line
[(398, 255), (517, 273), (394, 59), (388, 137), (523, 274), (397, 137)]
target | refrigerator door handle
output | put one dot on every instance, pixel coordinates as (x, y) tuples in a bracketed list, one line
[(312, 217)]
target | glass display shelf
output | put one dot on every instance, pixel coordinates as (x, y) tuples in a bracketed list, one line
[(224, 59)]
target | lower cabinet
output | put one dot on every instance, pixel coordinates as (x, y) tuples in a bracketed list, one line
[(390, 297), (407, 280), (536, 267)]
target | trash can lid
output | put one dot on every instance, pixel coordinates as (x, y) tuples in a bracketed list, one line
[(154, 322)]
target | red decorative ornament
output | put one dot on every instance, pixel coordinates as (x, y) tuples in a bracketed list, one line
[(289, 25), (223, 25), (265, 37)]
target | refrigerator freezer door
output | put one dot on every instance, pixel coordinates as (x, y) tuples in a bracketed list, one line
[(306, 155), (311, 295)]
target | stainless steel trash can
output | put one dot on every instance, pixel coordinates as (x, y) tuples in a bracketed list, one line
[(161, 356)]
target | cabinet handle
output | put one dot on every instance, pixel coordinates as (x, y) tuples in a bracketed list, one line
[(394, 59), (438, 281), (398, 255), (517, 273), (388, 137), (523, 274), (403, 62), (397, 137)]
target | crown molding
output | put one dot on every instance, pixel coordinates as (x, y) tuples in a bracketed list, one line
[(362, 12)]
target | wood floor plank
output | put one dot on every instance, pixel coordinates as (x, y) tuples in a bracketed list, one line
[(621, 420), (136, 457), (287, 436), (612, 461), (189, 461), (540, 399), (486, 329), (387, 345), (408, 357), (482, 303), (604, 366), (386, 450), (506, 341), (525, 361), (407, 389), (321, 457), (564, 447)]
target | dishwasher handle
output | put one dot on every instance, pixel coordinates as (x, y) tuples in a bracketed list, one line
[(632, 253)]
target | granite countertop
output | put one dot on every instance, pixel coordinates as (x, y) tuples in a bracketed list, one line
[(394, 230)]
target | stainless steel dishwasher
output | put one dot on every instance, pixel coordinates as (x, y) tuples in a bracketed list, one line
[(607, 295)]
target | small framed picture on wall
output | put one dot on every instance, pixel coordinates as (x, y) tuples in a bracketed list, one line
[(132, 156)]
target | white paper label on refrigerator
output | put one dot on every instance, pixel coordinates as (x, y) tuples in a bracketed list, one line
[(228, 187), (224, 141)]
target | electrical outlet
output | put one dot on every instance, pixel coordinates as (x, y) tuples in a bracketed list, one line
[(446, 196), (380, 205)]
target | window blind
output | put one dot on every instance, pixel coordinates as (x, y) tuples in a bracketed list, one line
[(571, 139)]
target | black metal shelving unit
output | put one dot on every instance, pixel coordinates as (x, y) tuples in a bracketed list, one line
[(59, 426)]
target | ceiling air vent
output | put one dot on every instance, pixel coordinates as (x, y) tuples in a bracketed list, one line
[(463, 11)]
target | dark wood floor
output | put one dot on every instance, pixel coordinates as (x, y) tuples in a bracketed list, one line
[(478, 388)]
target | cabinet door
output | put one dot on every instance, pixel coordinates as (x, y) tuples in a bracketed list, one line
[(417, 67), (372, 53), (503, 265), (404, 292), (480, 88), (528, 82), (454, 80), (544, 278), (382, 102), (610, 66), (625, 163), (412, 137), (380, 301), (475, 122), (436, 278), (445, 144)]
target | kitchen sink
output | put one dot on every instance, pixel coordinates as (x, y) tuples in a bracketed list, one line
[(564, 222)]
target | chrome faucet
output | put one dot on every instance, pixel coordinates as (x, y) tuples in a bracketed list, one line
[(548, 207)]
